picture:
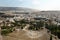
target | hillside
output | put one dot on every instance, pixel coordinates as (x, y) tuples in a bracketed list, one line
[(17, 9)]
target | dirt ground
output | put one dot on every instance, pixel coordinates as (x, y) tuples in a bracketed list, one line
[(21, 35)]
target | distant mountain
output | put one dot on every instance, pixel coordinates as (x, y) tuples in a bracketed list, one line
[(16, 9)]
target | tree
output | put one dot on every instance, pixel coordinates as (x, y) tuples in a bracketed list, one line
[(50, 37)]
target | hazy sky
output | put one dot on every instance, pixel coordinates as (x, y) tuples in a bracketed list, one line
[(35, 4)]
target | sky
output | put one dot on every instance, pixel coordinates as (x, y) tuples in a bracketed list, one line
[(34, 4)]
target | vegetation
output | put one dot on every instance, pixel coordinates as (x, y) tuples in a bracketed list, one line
[(54, 28), (50, 37), (19, 24), (5, 29), (36, 25)]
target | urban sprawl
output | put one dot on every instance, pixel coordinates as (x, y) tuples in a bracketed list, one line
[(21, 25)]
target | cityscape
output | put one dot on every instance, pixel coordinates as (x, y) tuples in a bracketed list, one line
[(29, 19), (29, 25)]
